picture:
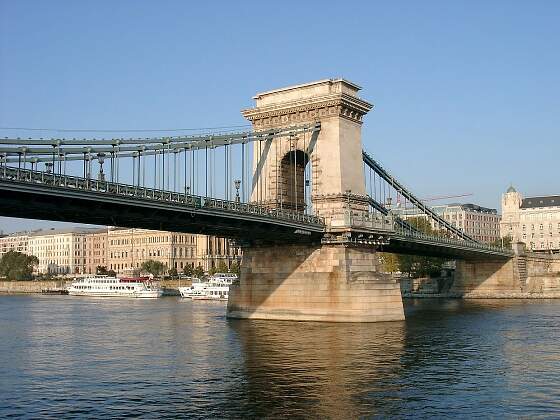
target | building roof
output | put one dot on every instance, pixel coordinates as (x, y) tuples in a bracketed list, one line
[(469, 207), (53, 231), (476, 207), (544, 201), (511, 189)]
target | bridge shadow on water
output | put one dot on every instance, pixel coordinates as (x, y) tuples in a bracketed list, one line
[(318, 369)]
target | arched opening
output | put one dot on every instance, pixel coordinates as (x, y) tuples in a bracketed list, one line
[(292, 180)]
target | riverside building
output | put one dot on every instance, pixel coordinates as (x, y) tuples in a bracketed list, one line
[(127, 249), (60, 251), (18, 241), (481, 223), (81, 251), (95, 250), (535, 221)]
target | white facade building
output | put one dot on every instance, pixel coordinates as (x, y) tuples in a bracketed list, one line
[(535, 221), (60, 251), (14, 242)]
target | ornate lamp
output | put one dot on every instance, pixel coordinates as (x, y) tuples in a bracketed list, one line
[(237, 184)]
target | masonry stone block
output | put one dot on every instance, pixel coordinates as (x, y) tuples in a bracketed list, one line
[(303, 293)]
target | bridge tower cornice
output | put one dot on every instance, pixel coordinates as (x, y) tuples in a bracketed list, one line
[(331, 98)]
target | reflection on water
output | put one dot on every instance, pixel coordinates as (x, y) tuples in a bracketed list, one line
[(323, 369), (64, 356)]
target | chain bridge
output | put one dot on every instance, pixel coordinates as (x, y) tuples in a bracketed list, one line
[(309, 206)]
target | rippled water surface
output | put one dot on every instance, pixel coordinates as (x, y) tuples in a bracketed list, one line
[(64, 356)]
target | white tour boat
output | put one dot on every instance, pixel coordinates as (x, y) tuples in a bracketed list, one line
[(104, 286), (197, 288), (216, 288), (213, 293)]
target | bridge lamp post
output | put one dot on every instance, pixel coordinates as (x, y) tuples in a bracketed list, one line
[(101, 160), (237, 184), (5, 163)]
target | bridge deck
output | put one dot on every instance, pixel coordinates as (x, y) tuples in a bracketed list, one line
[(37, 195), (40, 195)]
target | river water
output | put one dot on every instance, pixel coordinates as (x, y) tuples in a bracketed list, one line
[(64, 356)]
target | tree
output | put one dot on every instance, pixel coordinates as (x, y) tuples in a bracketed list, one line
[(222, 267), (111, 273), (212, 270), (198, 272), (17, 266), (173, 273), (390, 262), (188, 270), (153, 267), (421, 224), (419, 266), (101, 270), (235, 269), (506, 240)]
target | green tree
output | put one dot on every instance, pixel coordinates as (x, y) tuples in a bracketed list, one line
[(420, 266), (173, 273), (17, 266), (222, 267), (235, 269), (111, 273), (507, 241), (153, 267), (198, 272), (390, 262), (212, 270), (188, 270)]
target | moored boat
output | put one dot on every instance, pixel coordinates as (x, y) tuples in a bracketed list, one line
[(196, 289), (105, 286), (213, 293), (216, 288)]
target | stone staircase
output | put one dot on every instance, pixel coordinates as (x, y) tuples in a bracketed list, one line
[(522, 271)]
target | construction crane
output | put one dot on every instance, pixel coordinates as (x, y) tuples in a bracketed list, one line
[(444, 197), (433, 198)]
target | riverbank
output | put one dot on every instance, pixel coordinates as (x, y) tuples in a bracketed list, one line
[(170, 287), (544, 286), (19, 287), (520, 295)]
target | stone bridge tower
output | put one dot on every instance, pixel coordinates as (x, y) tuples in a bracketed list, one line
[(327, 281), (324, 170)]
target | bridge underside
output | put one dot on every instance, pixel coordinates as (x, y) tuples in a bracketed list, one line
[(414, 246), (97, 209)]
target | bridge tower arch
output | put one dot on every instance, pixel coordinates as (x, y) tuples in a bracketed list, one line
[(293, 181), (332, 169)]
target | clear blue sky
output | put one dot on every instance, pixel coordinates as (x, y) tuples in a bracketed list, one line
[(466, 94)]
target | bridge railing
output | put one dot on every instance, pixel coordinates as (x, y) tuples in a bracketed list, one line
[(125, 190), (449, 241), (363, 220)]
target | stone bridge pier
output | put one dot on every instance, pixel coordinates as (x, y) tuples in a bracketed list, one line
[(337, 281), (525, 275)]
